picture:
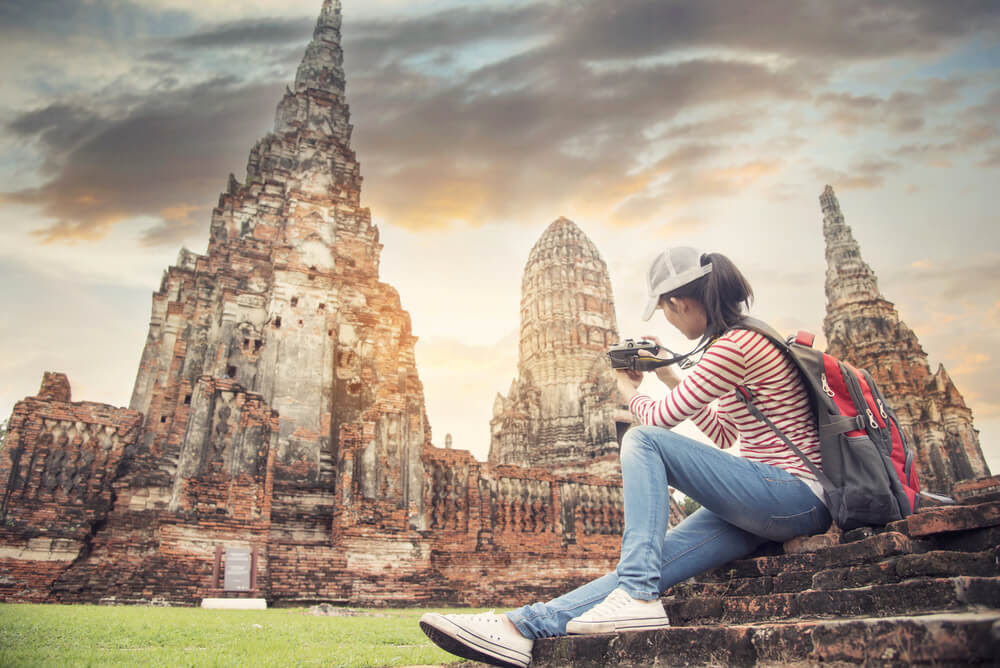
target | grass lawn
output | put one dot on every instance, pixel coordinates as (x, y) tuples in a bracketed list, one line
[(88, 635)]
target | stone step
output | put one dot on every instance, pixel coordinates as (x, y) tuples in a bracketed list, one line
[(865, 551), (914, 596), (949, 639), (937, 520), (939, 563), (936, 564)]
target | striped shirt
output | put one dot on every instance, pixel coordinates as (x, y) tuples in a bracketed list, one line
[(743, 357)]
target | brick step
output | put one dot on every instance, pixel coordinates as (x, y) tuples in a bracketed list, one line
[(913, 596), (938, 564), (937, 520), (866, 551), (948, 639)]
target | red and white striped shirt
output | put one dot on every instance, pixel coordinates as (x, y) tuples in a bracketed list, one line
[(742, 357)]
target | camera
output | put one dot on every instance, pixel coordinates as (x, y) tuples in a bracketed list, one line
[(625, 355)]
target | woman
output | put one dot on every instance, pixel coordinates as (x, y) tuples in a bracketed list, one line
[(765, 494)]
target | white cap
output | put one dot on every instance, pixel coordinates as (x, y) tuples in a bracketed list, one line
[(670, 270)]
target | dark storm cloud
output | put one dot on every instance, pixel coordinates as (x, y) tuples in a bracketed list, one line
[(166, 160), (60, 127), (568, 137), (843, 30), (544, 105), (563, 121), (110, 20), (244, 33), (382, 41)]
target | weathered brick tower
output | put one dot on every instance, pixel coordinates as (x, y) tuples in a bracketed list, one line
[(560, 411), (278, 410), (864, 329)]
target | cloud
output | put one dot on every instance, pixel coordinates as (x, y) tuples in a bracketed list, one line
[(976, 275), (380, 42), (567, 136), (164, 160), (850, 30), (992, 160), (467, 116), (864, 175), (249, 32), (951, 305), (901, 112), (116, 21)]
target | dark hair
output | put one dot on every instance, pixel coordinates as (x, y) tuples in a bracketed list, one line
[(723, 292)]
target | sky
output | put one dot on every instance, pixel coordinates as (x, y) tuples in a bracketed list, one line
[(649, 123)]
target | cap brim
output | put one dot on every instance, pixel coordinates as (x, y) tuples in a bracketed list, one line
[(651, 305)]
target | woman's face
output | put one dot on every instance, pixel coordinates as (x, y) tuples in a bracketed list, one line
[(687, 315)]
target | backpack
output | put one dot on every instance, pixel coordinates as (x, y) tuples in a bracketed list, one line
[(868, 475)]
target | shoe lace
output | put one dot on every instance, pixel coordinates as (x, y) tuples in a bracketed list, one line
[(479, 617), (615, 601)]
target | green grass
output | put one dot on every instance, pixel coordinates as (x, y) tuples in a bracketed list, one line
[(87, 635)]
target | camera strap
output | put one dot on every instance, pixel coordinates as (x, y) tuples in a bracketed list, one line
[(684, 361)]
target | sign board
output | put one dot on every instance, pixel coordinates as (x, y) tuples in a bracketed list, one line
[(237, 575)]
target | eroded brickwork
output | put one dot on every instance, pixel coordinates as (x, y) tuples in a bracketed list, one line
[(58, 466), (277, 407), (560, 411), (864, 329)]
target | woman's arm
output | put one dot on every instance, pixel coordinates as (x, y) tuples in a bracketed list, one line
[(721, 369)]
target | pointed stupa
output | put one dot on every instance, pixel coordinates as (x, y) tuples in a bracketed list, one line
[(322, 68), (308, 161), (560, 411), (567, 308), (287, 305), (864, 328)]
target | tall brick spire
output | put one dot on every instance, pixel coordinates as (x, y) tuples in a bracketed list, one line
[(862, 327), (286, 313), (848, 277), (560, 411)]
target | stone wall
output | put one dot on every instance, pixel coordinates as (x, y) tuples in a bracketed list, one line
[(58, 466)]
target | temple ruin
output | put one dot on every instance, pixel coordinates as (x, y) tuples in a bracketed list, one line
[(278, 410), (864, 329), (561, 409)]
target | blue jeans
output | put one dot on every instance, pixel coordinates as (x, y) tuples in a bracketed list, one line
[(744, 504)]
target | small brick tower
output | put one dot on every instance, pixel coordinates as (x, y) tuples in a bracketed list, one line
[(863, 328)]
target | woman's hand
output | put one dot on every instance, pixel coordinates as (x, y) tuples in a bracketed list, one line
[(628, 383), (667, 374)]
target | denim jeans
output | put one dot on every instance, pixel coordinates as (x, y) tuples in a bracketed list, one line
[(744, 504)]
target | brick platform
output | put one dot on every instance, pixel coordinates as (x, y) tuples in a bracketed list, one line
[(922, 591)]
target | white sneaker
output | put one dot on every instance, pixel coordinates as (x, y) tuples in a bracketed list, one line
[(483, 637), (620, 612)]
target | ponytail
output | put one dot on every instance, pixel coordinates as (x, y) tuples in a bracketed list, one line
[(723, 292)]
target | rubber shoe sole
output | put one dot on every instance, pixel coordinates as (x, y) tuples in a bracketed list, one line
[(454, 639), (575, 627)]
